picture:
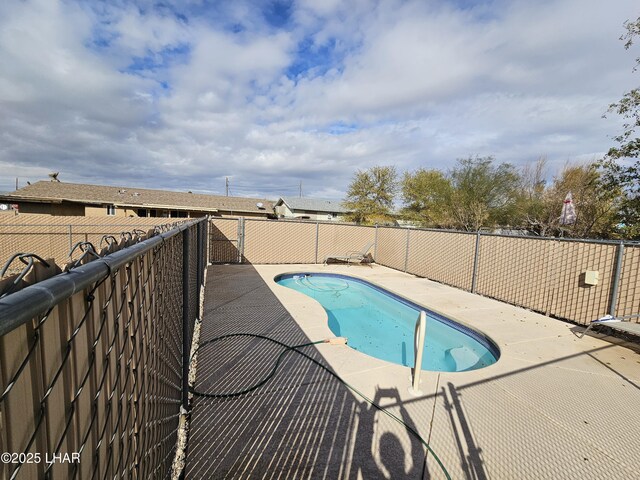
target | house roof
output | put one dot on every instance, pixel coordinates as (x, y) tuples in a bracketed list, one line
[(313, 204), (56, 192)]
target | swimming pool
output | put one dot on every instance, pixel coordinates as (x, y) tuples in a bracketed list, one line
[(381, 324)]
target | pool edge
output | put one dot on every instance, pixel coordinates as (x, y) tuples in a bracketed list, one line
[(463, 327)]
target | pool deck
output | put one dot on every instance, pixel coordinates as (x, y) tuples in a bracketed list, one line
[(553, 406)]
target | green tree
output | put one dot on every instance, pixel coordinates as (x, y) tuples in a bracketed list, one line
[(617, 167), (540, 206), (532, 202), (426, 195), (595, 205), (371, 193), (628, 107), (483, 194)]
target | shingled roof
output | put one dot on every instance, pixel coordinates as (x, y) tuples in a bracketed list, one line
[(56, 192)]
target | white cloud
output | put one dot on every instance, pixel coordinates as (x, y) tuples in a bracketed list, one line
[(137, 34), (224, 71), (125, 95)]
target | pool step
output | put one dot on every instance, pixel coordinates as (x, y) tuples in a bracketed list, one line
[(464, 358)]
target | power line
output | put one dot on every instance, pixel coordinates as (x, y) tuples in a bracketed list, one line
[(268, 189), (240, 188), (248, 185)]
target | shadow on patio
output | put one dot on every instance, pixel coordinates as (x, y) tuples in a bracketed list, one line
[(303, 423)]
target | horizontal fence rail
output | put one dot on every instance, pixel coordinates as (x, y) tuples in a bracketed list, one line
[(92, 361), (548, 275)]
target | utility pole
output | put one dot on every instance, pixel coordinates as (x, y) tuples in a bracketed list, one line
[(300, 188), (226, 184), (16, 183)]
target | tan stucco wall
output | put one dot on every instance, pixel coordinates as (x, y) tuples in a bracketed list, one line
[(321, 216), (102, 212), (283, 210), (60, 209), (76, 209), (241, 214)]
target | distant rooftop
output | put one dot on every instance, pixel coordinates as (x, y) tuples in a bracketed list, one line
[(56, 192), (313, 204)]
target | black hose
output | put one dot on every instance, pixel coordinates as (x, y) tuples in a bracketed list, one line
[(294, 348), (268, 377)]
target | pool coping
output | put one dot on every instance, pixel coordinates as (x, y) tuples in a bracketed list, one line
[(549, 408), (498, 320), (481, 337)]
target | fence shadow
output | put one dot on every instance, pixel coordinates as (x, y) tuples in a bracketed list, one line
[(303, 422), (223, 246), (471, 461)]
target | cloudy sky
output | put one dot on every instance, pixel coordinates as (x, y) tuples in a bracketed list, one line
[(179, 94)]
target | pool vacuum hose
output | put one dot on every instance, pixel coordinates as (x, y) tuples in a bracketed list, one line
[(294, 348)]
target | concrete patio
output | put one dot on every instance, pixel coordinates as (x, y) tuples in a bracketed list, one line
[(553, 406)]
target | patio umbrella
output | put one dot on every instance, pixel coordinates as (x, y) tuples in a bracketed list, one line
[(568, 216)]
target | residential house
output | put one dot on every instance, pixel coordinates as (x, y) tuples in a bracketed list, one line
[(310, 208), (61, 198)]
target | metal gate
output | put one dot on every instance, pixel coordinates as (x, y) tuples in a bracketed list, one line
[(226, 240)]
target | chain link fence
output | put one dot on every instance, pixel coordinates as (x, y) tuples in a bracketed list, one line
[(628, 301), (235, 240), (516, 270), (223, 240), (93, 360), (279, 242), (336, 239), (391, 248), (52, 239), (548, 275), (441, 256)]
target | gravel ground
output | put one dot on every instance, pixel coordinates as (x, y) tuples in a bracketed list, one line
[(183, 427)]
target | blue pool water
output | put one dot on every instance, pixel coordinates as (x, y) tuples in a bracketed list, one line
[(378, 323)]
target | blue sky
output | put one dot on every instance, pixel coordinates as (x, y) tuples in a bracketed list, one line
[(181, 94)]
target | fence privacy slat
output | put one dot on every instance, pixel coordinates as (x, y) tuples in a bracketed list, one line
[(335, 239), (391, 247), (100, 373), (629, 287), (279, 242), (545, 275), (223, 240), (91, 360), (442, 256)]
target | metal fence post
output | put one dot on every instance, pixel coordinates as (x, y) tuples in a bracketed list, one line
[(375, 245), (186, 237), (616, 280), (207, 241), (474, 277), (241, 221), (199, 255), (70, 238), (317, 239), (406, 253)]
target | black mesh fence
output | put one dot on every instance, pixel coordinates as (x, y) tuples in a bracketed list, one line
[(92, 362)]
